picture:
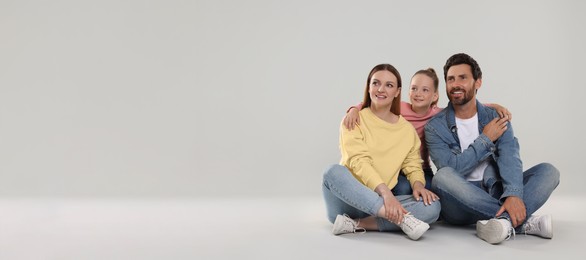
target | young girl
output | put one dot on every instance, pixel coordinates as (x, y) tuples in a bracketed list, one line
[(424, 97), (357, 192)]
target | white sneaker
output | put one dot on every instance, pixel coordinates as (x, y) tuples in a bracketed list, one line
[(413, 227), (345, 224), (494, 230), (539, 225)]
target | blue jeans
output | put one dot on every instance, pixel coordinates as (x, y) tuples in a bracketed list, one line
[(465, 202), (403, 186), (344, 194)]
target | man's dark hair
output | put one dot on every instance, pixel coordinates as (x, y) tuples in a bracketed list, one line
[(463, 58)]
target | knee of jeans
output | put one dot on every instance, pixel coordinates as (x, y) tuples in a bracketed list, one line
[(552, 172), (441, 176), (437, 207), (331, 171), (433, 212)]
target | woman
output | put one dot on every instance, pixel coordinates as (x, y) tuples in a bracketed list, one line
[(357, 192)]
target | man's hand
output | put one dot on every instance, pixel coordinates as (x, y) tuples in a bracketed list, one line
[(516, 209), (495, 128)]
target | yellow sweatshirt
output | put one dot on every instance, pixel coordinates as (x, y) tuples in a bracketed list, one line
[(377, 150)]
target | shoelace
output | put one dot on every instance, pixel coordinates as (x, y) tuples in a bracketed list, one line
[(409, 221), (529, 227), (354, 225)]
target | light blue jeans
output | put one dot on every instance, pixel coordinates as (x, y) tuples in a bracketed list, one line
[(344, 194), (465, 202)]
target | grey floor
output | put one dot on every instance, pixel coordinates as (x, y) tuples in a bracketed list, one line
[(248, 229)]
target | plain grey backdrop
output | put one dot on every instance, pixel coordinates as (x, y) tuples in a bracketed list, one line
[(175, 98)]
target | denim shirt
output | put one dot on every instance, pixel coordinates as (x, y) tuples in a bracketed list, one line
[(442, 140)]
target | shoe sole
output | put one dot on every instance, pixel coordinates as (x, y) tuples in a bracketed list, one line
[(486, 232)]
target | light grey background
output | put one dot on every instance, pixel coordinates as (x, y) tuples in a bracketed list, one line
[(244, 98)]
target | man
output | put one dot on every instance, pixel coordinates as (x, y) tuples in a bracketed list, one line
[(480, 178)]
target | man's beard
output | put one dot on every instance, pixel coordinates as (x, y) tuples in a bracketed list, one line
[(466, 97)]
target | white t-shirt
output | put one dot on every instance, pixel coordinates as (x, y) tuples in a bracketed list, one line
[(467, 133)]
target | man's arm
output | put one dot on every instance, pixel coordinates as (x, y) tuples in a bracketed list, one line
[(445, 151), (509, 163)]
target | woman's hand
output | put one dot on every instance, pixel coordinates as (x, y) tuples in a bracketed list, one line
[(351, 119), (394, 211), (419, 192)]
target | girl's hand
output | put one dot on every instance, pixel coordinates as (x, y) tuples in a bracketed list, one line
[(502, 111), (351, 119)]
